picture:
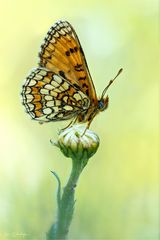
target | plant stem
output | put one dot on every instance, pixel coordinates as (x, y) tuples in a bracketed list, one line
[(66, 204)]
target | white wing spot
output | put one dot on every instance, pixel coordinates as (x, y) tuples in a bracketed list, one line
[(44, 91), (61, 88), (42, 72), (55, 109), (29, 97), (58, 102), (47, 110), (50, 104), (49, 86), (38, 77), (30, 106), (57, 79), (48, 98), (51, 116), (65, 85), (62, 32), (53, 40), (55, 84), (77, 96), (54, 94), (60, 115), (68, 108), (27, 90), (56, 35), (65, 99), (32, 83), (57, 90)]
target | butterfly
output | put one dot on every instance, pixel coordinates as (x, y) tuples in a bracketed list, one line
[(61, 87)]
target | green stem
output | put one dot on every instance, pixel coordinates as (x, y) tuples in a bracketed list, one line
[(66, 205)]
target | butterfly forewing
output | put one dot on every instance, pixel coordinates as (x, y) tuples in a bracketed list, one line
[(48, 96), (62, 53)]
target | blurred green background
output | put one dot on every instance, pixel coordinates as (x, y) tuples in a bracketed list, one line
[(117, 196)]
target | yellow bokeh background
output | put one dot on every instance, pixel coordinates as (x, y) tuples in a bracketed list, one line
[(117, 195)]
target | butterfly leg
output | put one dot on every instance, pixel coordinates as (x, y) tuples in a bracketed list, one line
[(67, 125), (87, 127), (71, 123), (89, 121)]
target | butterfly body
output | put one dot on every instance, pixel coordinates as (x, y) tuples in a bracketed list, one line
[(61, 88)]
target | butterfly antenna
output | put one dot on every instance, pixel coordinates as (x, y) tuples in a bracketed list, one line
[(110, 82)]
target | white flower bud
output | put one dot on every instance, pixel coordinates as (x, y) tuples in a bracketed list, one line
[(75, 144)]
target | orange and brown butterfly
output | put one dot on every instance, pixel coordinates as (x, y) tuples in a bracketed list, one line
[(61, 87)]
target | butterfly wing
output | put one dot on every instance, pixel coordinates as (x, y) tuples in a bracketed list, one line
[(62, 53), (48, 96)]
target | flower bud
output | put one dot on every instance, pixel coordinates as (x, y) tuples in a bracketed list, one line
[(75, 144)]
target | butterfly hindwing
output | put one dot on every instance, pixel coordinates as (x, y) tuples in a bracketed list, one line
[(62, 53), (48, 96)]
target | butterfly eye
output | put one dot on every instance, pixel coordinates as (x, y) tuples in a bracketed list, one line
[(103, 103)]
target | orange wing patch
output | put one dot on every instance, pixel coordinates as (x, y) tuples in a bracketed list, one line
[(63, 54)]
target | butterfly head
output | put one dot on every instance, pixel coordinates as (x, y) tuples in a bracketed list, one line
[(103, 103)]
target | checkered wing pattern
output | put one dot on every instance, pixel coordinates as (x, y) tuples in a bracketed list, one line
[(47, 96)]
